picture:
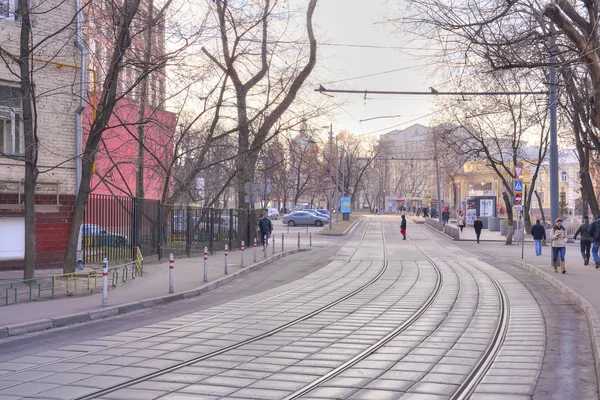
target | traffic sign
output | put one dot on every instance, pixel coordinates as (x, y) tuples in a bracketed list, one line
[(408, 196), (518, 199), (518, 185), (518, 170)]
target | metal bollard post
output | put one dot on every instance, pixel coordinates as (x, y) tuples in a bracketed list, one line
[(310, 239), (298, 240), (306, 228), (171, 271), (105, 282), (273, 244), (265, 242), (226, 255), (206, 264), (255, 250), (282, 242), (242, 262)]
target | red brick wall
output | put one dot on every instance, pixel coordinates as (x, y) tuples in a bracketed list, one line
[(52, 230)]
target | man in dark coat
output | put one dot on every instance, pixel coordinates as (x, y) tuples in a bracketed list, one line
[(266, 227), (539, 233), (478, 225), (585, 242)]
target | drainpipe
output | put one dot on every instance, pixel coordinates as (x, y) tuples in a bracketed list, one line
[(82, 94), (79, 113)]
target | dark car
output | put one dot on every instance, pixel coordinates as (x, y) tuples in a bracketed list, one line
[(95, 235)]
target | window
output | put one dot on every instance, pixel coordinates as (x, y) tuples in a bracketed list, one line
[(11, 121), (9, 9), (563, 176)]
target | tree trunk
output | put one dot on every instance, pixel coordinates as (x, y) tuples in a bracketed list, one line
[(541, 206), (30, 141), (106, 106), (509, 214)]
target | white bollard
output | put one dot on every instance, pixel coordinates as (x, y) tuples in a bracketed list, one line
[(298, 240), (265, 242), (226, 256), (282, 242), (242, 261), (254, 250), (273, 244), (171, 271), (105, 282), (206, 264)]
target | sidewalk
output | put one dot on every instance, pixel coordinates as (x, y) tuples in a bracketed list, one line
[(153, 286)]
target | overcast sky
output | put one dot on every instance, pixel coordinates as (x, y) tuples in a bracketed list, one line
[(358, 22)]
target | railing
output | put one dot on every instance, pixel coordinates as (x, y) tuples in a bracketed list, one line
[(69, 284)]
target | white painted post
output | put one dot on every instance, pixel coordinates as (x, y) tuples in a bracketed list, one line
[(298, 240), (265, 242), (310, 239), (254, 250), (171, 272), (273, 244), (206, 264), (242, 262), (105, 282), (226, 256), (282, 242)]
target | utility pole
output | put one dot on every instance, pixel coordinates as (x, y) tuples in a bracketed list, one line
[(337, 181), (554, 212), (330, 155), (437, 176)]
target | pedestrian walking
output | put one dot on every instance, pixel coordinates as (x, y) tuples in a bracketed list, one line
[(460, 220), (266, 227), (478, 225), (539, 233), (594, 233), (559, 241), (403, 227), (585, 242), (446, 215)]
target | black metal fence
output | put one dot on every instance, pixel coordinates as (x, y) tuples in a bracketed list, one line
[(113, 226)]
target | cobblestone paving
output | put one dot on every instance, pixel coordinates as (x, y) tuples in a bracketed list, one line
[(428, 360)]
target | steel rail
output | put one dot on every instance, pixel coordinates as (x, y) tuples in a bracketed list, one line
[(380, 343), (344, 263), (183, 364), (467, 388)]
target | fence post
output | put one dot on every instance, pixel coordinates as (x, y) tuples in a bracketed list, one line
[(159, 236), (242, 247), (226, 256), (105, 282), (206, 264), (265, 243), (282, 241), (255, 250), (171, 272), (188, 232), (273, 244), (298, 240)]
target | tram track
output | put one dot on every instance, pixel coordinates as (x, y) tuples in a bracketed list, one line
[(184, 326), (183, 364)]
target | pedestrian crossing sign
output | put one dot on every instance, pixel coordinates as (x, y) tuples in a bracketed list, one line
[(518, 185)]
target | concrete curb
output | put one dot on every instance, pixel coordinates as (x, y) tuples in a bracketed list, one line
[(586, 306), (348, 229), (71, 319)]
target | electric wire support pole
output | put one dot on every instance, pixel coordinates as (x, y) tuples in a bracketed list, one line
[(437, 177), (337, 182), (330, 155), (553, 129)]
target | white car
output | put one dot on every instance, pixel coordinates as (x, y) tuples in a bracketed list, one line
[(273, 213)]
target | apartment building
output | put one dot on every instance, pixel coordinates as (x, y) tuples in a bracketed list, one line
[(55, 75)]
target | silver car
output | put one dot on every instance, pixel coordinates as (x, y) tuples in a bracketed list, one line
[(304, 218)]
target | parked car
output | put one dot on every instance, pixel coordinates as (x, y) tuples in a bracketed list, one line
[(273, 213), (323, 211), (305, 218), (95, 235)]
